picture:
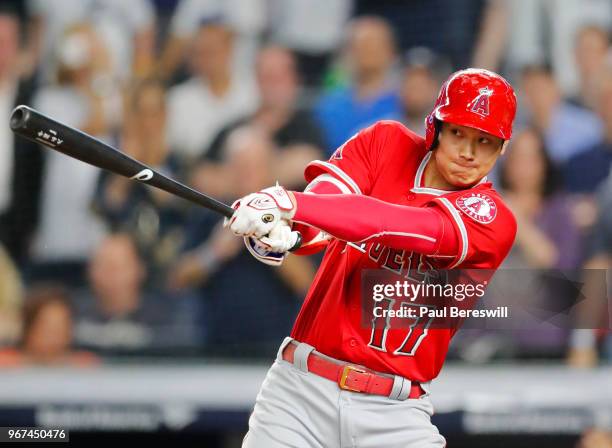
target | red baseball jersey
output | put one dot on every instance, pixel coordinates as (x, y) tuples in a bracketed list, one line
[(387, 161)]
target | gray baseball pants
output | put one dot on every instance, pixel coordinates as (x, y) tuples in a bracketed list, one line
[(298, 409)]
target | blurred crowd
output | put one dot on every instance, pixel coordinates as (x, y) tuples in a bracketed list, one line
[(230, 96)]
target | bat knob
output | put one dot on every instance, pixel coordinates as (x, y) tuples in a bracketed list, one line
[(19, 117)]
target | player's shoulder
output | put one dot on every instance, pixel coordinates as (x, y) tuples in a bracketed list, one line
[(486, 224), (395, 129), (394, 142), (482, 204)]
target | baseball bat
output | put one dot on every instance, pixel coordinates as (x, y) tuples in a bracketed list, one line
[(31, 124)]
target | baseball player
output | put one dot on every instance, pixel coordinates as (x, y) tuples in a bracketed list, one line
[(389, 199)]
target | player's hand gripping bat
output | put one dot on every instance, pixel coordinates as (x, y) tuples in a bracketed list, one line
[(33, 125)]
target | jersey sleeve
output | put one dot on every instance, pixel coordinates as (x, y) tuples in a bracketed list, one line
[(315, 240), (484, 225), (353, 165)]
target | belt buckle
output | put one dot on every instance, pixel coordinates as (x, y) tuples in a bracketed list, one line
[(345, 372)]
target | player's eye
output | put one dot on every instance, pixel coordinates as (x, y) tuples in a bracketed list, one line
[(456, 132), (484, 141)]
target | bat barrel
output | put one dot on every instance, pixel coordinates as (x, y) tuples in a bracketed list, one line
[(33, 125), (39, 128)]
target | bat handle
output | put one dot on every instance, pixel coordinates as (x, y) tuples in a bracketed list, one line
[(298, 241)]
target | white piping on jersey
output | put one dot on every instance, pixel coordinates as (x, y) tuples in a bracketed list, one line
[(421, 169), (321, 236), (462, 230), (418, 179), (431, 191), (327, 178), (375, 235), (354, 246), (341, 174), (413, 235)]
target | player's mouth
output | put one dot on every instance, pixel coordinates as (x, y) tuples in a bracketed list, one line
[(465, 165), (464, 170)]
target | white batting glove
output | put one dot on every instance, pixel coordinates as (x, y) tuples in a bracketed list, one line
[(281, 238), (258, 213), (272, 249)]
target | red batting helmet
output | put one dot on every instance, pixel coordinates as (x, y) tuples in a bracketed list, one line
[(476, 98)]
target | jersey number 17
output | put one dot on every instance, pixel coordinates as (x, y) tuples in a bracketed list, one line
[(417, 329)]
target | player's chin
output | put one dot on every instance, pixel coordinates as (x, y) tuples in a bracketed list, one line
[(462, 182)]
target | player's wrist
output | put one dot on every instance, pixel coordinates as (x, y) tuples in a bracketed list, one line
[(303, 206), (289, 215)]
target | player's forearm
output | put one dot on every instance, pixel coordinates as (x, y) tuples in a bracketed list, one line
[(358, 218)]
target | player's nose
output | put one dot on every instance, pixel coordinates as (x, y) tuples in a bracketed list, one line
[(467, 150)]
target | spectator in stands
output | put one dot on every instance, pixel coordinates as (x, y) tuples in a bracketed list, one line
[(312, 30), (69, 230), (585, 171), (546, 237), (422, 74), (47, 333), (240, 292), (212, 98), (125, 27), (294, 131), (591, 50), (246, 18), (546, 240), (415, 22), (516, 33), (117, 315), (595, 438), (567, 129), (152, 217), (593, 312), (11, 299), (20, 160), (371, 95)]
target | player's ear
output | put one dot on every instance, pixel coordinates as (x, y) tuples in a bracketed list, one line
[(504, 147)]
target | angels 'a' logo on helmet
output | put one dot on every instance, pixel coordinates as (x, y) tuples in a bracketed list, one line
[(478, 206), (480, 105)]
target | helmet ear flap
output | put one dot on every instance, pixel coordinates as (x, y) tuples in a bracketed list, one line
[(437, 128)]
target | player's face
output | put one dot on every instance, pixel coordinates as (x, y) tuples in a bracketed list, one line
[(465, 155)]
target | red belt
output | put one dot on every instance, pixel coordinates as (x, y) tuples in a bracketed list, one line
[(351, 377)]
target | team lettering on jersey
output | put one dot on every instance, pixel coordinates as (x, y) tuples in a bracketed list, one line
[(414, 267), (410, 265)]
